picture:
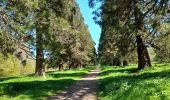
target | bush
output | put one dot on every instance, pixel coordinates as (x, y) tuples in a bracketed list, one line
[(11, 66)]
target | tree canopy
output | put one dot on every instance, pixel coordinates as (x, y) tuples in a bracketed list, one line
[(51, 31), (129, 24)]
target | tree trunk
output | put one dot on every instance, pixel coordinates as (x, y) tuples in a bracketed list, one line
[(71, 64), (42, 15), (143, 55), (61, 67), (40, 68), (125, 62), (148, 59), (69, 67)]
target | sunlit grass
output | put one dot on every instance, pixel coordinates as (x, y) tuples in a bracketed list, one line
[(124, 83), (34, 88)]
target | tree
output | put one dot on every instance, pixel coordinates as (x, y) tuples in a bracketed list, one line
[(72, 36), (51, 31), (140, 17), (161, 44)]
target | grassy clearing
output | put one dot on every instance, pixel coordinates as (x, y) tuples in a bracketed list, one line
[(33, 88), (123, 84)]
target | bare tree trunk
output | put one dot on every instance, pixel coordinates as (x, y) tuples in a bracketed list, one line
[(148, 59), (125, 62), (69, 67), (60, 67), (143, 55)]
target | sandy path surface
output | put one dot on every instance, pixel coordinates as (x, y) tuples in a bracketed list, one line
[(84, 89)]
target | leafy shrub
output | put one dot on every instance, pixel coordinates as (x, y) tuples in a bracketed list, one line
[(11, 66)]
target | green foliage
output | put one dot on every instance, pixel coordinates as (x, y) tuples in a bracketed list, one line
[(6, 45), (11, 66), (162, 47), (126, 83), (117, 39), (71, 41), (54, 26), (30, 87), (122, 22)]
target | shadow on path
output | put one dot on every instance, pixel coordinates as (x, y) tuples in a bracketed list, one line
[(84, 89)]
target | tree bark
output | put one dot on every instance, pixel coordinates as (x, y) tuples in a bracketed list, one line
[(61, 67), (69, 67), (40, 28), (143, 55), (125, 62), (40, 68)]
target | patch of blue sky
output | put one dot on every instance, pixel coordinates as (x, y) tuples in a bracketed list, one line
[(94, 29)]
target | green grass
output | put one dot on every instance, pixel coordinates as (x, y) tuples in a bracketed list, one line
[(33, 88), (118, 83)]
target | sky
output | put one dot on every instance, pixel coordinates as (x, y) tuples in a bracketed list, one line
[(94, 29)]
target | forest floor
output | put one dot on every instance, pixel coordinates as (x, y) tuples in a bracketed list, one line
[(84, 89)]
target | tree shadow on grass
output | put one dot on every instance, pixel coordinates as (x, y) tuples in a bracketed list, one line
[(130, 86), (7, 78), (123, 70), (58, 75), (35, 89)]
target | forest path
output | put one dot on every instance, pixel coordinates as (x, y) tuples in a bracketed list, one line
[(85, 89)]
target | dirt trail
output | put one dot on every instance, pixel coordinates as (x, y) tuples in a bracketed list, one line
[(84, 89)]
